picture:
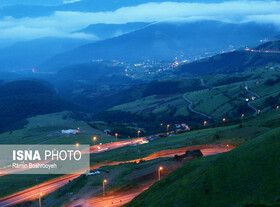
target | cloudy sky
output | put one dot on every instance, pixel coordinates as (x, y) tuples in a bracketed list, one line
[(63, 23)]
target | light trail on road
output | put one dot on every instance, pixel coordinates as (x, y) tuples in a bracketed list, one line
[(56, 183), (254, 94), (262, 51), (123, 197)]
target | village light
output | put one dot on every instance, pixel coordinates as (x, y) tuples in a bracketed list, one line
[(159, 170), (205, 122), (77, 145), (139, 133), (116, 135), (242, 116), (224, 119), (259, 111), (277, 107)]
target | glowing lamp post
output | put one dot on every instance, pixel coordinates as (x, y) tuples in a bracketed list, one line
[(259, 111), (116, 135), (139, 133), (159, 170), (104, 183), (242, 116), (40, 195), (167, 127), (277, 107), (77, 145), (205, 122), (94, 140)]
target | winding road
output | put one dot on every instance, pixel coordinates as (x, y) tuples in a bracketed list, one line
[(194, 111), (191, 103), (254, 94)]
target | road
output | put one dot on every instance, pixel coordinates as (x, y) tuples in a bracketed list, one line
[(203, 83), (114, 145), (191, 103), (254, 94), (54, 184), (115, 200), (263, 51), (93, 149), (194, 111), (123, 197)]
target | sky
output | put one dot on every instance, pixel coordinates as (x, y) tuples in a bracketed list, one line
[(63, 23)]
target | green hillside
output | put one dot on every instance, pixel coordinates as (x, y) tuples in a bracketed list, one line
[(227, 95), (246, 176), (224, 97), (149, 105), (275, 45), (22, 99), (236, 61)]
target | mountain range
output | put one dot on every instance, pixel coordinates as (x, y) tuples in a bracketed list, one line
[(166, 41)]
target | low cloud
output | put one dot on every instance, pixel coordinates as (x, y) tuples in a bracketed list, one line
[(70, 1), (63, 23)]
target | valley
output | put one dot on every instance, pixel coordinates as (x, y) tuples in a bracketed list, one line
[(168, 103)]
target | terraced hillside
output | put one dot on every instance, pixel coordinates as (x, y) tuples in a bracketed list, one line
[(221, 96)]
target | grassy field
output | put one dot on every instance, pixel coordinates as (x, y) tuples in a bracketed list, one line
[(122, 176), (266, 92), (235, 134), (45, 129), (246, 176), (251, 128), (153, 104), (226, 97)]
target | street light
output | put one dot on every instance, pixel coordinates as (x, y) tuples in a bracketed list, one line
[(277, 107), (242, 116), (94, 140), (224, 119), (205, 122), (77, 145), (259, 111), (139, 133), (167, 127), (116, 135), (40, 195), (159, 170), (104, 182)]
